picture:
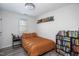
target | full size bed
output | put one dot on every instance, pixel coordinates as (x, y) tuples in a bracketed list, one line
[(35, 45)]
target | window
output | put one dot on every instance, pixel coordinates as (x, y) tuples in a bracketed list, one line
[(23, 26)]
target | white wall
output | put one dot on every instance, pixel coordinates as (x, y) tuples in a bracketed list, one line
[(66, 18), (32, 25), (0, 23), (10, 25), (0, 28)]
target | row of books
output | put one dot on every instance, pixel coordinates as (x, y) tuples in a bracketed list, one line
[(64, 49), (64, 43), (75, 41), (63, 33), (69, 33), (62, 52), (73, 33), (66, 38), (63, 38)]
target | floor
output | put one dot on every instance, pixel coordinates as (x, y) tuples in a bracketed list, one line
[(19, 51)]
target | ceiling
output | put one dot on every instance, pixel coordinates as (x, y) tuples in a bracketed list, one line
[(40, 8)]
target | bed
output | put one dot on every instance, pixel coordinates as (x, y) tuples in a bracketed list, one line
[(35, 45)]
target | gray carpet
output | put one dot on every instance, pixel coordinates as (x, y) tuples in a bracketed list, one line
[(19, 51)]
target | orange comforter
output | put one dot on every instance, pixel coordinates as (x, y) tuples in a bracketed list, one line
[(35, 45)]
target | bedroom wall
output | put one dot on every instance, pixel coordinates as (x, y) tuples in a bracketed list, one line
[(65, 18), (0, 29), (10, 25)]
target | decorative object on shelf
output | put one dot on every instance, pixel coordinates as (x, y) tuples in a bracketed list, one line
[(51, 18)]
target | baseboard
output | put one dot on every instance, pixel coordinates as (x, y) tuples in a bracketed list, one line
[(5, 47)]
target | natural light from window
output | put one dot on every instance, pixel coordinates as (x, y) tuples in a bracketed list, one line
[(23, 26)]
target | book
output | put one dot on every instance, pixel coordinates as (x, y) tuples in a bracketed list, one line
[(64, 48), (78, 34), (61, 47), (58, 50), (73, 41), (77, 41), (68, 44), (57, 37), (65, 38), (67, 49), (58, 46), (64, 43), (62, 52), (58, 41)]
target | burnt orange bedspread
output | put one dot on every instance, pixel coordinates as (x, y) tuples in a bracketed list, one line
[(36, 45)]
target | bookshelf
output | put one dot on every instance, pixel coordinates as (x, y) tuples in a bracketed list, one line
[(74, 42), (63, 45), (67, 43)]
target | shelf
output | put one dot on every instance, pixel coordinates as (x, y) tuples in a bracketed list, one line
[(63, 46), (68, 36), (75, 37), (62, 40), (75, 45), (64, 54), (60, 53), (62, 35), (63, 50)]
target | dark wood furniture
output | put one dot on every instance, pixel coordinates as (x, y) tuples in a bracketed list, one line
[(16, 39)]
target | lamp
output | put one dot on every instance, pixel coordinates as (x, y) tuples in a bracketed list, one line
[(29, 6)]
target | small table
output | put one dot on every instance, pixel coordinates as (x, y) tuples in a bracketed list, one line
[(16, 39)]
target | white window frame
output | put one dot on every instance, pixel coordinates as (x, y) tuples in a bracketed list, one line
[(22, 25)]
